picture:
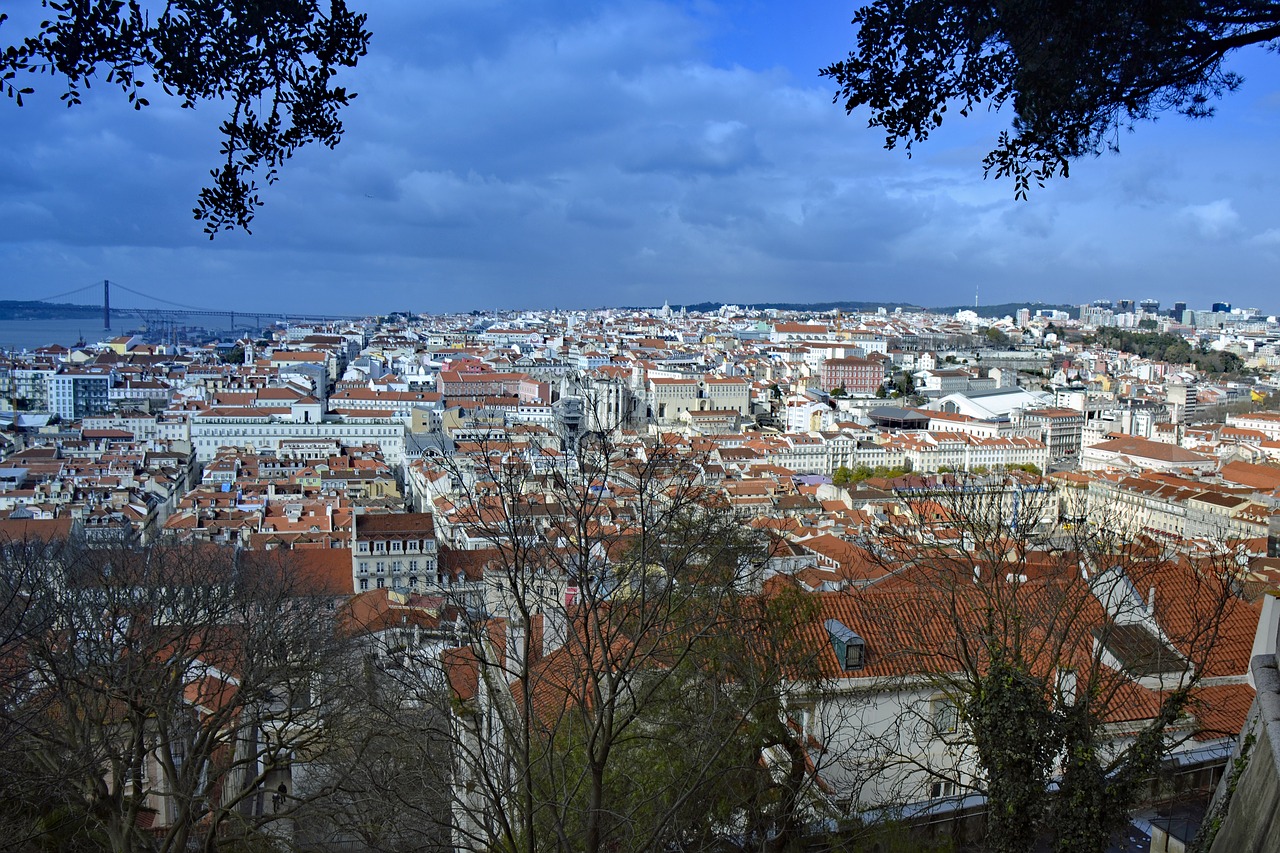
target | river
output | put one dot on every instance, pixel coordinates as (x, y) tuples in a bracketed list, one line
[(29, 334)]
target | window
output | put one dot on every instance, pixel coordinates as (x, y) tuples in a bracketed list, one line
[(381, 583), (804, 714), (364, 584), (942, 789), (850, 649), (945, 715)]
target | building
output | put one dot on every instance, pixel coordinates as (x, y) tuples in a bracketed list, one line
[(1060, 429), (854, 375), (394, 551), (271, 429), (1131, 452), (77, 394)]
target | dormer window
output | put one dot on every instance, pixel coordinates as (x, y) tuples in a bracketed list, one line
[(850, 649)]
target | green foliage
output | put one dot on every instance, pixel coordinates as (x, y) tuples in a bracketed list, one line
[(890, 837), (864, 472), (690, 759), (1074, 74), (271, 64), (997, 336), (1095, 790), (1010, 714), (842, 476), (1168, 348)]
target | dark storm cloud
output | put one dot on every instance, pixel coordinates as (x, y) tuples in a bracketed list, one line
[(622, 153)]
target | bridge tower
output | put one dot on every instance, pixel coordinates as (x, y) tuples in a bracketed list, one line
[(106, 305)]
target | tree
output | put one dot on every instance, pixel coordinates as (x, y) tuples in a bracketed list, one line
[(164, 700), (1052, 643), (273, 63), (383, 783), (1074, 74), (1171, 348), (624, 680)]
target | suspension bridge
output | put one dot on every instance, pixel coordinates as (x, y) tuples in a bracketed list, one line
[(167, 310)]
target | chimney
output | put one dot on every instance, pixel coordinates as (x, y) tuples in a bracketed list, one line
[(1151, 600)]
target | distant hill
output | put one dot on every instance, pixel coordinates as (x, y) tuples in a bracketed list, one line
[(810, 306), (992, 311), (13, 309)]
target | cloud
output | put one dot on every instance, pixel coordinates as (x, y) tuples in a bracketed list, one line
[(1268, 238), (1213, 220), (569, 153)]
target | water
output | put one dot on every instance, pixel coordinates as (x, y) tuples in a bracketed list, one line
[(29, 334)]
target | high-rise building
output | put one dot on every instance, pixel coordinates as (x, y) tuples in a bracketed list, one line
[(1124, 306), (1151, 306), (1177, 310), (1221, 308)]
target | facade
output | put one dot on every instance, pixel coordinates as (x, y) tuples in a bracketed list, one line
[(263, 430), (394, 551), (669, 399), (854, 375), (1061, 429), (74, 394)]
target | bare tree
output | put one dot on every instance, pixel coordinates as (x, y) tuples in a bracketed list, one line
[(625, 680), (168, 699), (1072, 657)]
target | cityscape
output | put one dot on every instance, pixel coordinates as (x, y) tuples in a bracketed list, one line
[(639, 427), (468, 499)]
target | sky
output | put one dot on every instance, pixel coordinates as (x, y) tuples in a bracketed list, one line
[(545, 154)]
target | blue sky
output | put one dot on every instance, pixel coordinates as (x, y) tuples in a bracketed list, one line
[(548, 154)]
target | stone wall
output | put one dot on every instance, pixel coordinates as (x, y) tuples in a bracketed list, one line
[(1245, 815)]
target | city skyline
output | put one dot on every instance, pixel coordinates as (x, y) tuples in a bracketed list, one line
[(629, 154)]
